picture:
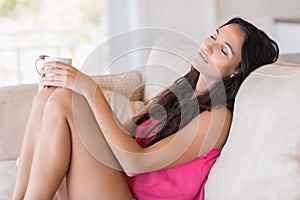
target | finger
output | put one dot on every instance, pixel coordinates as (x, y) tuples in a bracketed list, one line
[(58, 68), (57, 83), (68, 72), (53, 84), (57, 71), (43, 56), (54, 77), (54, 80), (58, 80), (51, 70), (57, 64)]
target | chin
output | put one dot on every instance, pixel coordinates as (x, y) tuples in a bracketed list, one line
[(196, 67)]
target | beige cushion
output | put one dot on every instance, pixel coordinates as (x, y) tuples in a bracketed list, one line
[(7, 178), (169, 59), (15, 104), (261, 159), (123, 108), (128, 84)]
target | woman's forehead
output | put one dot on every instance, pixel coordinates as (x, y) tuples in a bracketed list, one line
[(232, 34)]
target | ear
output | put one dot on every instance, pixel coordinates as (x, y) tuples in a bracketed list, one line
[(234, 74)]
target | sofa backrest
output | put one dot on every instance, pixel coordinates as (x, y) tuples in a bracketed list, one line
[(169, 59), (15, 104), (261, 158)]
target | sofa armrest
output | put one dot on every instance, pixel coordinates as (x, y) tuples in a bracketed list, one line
[(260, 159), (15, 104)]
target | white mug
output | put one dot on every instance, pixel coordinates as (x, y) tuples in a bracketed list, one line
[(39, 63)]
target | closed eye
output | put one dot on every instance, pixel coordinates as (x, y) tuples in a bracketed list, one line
[(226, 43), (224, 51), (213, 36)]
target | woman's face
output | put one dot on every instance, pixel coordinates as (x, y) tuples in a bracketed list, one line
[(220, 53)]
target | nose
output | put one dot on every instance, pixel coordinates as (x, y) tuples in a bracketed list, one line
[(207, 51), (208, 48)]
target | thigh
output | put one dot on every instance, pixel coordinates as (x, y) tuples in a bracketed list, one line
[(94, 172), (42, 96), (89, 178), (31, 133)]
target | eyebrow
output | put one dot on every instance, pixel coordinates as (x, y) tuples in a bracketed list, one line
[(227, 44)]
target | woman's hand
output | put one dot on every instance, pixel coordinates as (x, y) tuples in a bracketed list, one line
[(63, 75)]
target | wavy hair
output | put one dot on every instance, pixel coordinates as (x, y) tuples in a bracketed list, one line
[(179, 108)]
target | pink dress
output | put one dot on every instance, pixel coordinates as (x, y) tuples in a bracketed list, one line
[(184, 182)]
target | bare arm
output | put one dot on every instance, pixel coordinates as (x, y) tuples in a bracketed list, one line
[(179, 148), (208, 130)]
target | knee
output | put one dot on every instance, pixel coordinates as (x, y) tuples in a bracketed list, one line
[(64, 101), (41, 98), (60, 100)]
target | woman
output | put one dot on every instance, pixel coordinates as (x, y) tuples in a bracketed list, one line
[(153, 159)]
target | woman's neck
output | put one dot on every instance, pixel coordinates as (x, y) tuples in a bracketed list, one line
[(203, 84)]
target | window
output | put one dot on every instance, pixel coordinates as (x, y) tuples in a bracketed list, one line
[(29, 28)]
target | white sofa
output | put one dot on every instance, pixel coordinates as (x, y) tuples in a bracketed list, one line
[(260, 160)]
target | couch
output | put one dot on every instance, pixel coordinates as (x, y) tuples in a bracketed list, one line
[(261, 158)]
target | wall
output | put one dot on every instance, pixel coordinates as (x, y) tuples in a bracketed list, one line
[(258, 9), (196, 18), (193, 18)]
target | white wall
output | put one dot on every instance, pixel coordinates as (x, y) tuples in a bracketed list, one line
[(195, 18), (120, 16), (258, 9)]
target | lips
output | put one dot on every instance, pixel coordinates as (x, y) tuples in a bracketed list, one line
[(202, 56)]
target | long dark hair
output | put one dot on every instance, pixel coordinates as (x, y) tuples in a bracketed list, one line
[(179, 108)]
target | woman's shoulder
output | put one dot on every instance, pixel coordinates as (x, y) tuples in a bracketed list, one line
[(216, 125), (220, 122), (217, 113)]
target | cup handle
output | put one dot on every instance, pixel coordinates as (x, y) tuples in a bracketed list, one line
[(37, 68)]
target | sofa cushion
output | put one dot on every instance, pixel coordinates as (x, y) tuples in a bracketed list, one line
[(15, 104), (7, 178), (128, 84), (169, 59), (261, 158), (123, 108)]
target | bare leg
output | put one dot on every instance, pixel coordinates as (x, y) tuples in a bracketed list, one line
[(29, 141), (59, 151), (104, 181)]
